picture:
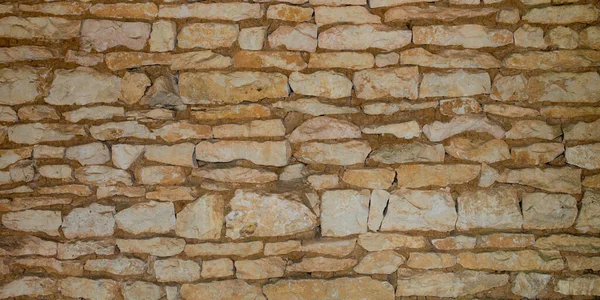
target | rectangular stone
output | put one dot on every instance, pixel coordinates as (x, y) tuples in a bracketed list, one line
[(559, 180), (547, 60), (272, 153), (451, 285), (343, 60), (224, 249), (420, 210), (491, 209), (410, 13), (467, 59), (564, 87), (388, 82), (344, 212), (363, 37), (57, 8), (468, 36), (125, 10), (565, 14), (207, 35), (233, 11), (455, 84), (415, 176), (285, 60), (101, 35), (584, 285), (51, 28), (27, 53), (344, 14), (524, 260), (19, 85), (571, 243), (127, 60)]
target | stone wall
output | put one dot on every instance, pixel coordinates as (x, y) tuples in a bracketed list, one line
[(302, 149)]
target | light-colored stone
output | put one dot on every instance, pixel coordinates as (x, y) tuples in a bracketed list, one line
[(236, 175), (388, 3), (363, 37), (382, 262), (321, 264), (8, 115), (77, 249), (438, 131), (19, 85), (57, 8), (345, 14), (483, 151), (125, 10), (584, 156), (587, 221), (530, 37), (467, 36), (102, 175), (252, 38), (456, 284), (103, 289), (45, 221), (420, 210), (567, 242), (459, 106), (406, 130), (38, 113), (302, 37), (509, 88), (93, 221), (29, 286), (263, 215), (562, 37), (559, 180), (34, 133), (165, 175), (328, 84), (149, 217), (11, 156), (27, 245), (212, 11), (183, 130), (145, 290), (102, 35), (176, 270), (119, 266), (347, 153), (548, 211), (533, 129), (406, 153), (207, 35), (344, 60), (529, 285), (133, 87), (26, 53), (329, 247), (458, 242), (200, 60), (324, 128), (89, 154), (118, 130), (387, 59), (409, 13), (586, 285), (537, 154), (377, 205), (344, 212), (178, 155), (171, 193), (431, 260), (569, 112), (47, 28), (51, 265), (582, 131), (524, 260), (454, 84), (546, 60), (289, 13), (222, 290), (285, 60), (471, 59), (94, 113), (123, 156), (562, 14), (510, 111), (157, 246), (162, 37), (217, 268), (263, 268), (590, 37), (279, 248), (274, 153), (577, 263), (394, 82), (415, 176), (370, 178), (202, 219), (341, 288), (224, 249), (493, 209), (564, 87), (243, 111)]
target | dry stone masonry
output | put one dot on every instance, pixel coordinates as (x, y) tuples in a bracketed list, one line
[(299, 149)]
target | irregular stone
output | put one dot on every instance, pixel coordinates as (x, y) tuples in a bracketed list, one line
[(383, 262), (289, 13), (508, 16), (123, 156), (183, 130), (292, 61), (344, 212), (179, 155), (510, 111), (559, 180), (207, 35), (236, 175), (263, 268), (509, 88), (387, 59), (454, 243), (129, 60), (325, 15), (431, 260), (256, 128), (19, 85), (341, 288), (568, 112), (564, 87), (73, 250), (329, 247), (8, 115), (35, 133), (388, 3), (176, 270), (323, 128), (321, 264), (133, 87), (337, 2), (47, 28), (563, 37), (212, 11), (409, 13), (415, 176), (405, 130), (26, 245), (222, 290), (467, 36), (125, 10), (451, 84), (11, 156), (420, 210), (590, 37), (38, 113), (29, 286), (524, 260), (533, 129), (370, 178), (395, 82), (328, 84), (102, 35), (207, 88), (252, 38), (494, 209), (94, 113), (157, 246), (438, 131), (93, 221), (217, 268), (145, 290), (348, 153), (377, 206), (584, 156), (243, 111), (26, 53), (529, 285), (57, 8), (405, 153), (119, 266), (162, 36), (279, 248), (440, 284), (24, 203), (171, 193), (82, 288), (89, 154), (102, 175), (537, 154), (449, 59), (572, 243), (582, 131), (549, 211), (562, 14), (344, 60), (577, 263), (505, 240), (547, 60), (363, 37), (270, 153), (45, 221), (592, 181), (51, 265), (587, 221), (202, 219), (530, 37), (478, 150), (302, 37), (117, 130), (83, 58), (149, 217), (224, 249), (459, 106)]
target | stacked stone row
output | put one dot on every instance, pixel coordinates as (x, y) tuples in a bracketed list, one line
[(301, 149)]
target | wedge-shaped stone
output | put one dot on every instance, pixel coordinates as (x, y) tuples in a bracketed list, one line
[(565, 14), (236, 175), (416, 176), (202, 219), (149, 217), (567, 242), (420, 210), (468, 36), (406, 153), (438, 131), (479, 150), (118, 130), (533, 129), (328, 84), (291, 61), (549, 211), (493, 209), (341, 288), (325, 15), (582, 131), (93, 221), (410, 13), (382, 262), (454, 84), (35, 133), (268, 215), (262, 268), (50, 28), (440, 284), (363, 37), (547, 60), (564, 87), (274, 153), (394, 82), (464, 59), (34, 221), (559, 180), (588, 221), (233, 87), (344, 212), (302, 37), (212, 11), (314, 107), (222, 290), (370, 178), (158, 246), (121, 266), (224, 249), (176, 270), (19, 85), (537, 154), (406, 130), (584, 156), (524, 260), (11, 156), (569, 112), (390, 241), (321, 264), (324, 128), (207, 35), (77, 249), (101, 35), (343, 154), (29, 286), (344, 60)]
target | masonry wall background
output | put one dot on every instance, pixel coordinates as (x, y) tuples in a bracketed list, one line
[(302, 149)]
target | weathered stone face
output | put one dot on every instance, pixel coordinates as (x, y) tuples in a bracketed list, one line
[(48, 28), (265, 153), (420, 210), (559, 180), (101, 35), (344, 288), (222, 290), (362, 37), (415, 176), (150, 217), (440, 284), (468, 36), (489, 209), (92, 221), (202, 219), (344, 212), (347, 153), (548, 211)]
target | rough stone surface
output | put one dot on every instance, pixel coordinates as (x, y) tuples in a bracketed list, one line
[(341, 288), (344, 212), (560, 180), (440, 284), (420, 210), (496, 208), (149, 217), (416, 176), (468, 36), (101, 35), (265, 153), (201, 219)]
